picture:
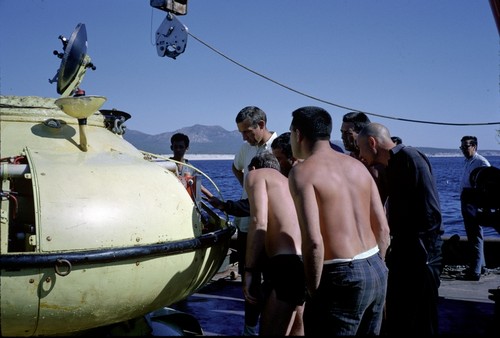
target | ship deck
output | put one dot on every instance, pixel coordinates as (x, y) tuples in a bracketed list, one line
[(464, 306)]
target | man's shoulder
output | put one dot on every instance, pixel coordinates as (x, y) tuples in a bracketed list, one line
[(267, 177), (275, 178), (244, 151), (273, 135), (481, 158), (264, 173), (317, 161), (411, 153), (244, 146)]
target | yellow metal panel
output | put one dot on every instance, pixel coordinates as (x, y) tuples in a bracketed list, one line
[(19, 302), (98, 200)]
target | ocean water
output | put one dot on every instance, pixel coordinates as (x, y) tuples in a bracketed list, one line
[(447, 171)]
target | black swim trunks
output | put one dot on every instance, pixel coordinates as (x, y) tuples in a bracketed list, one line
[(285, 274)]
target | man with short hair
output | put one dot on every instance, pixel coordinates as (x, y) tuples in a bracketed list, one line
[(282, 149), (179, 144), (252, 124), (352, 123), (274, 248), (343, 228), (474, 230)]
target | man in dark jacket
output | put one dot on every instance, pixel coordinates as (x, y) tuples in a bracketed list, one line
[(414, 257)]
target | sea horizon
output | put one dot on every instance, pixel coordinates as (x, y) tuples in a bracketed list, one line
[(208, 157)]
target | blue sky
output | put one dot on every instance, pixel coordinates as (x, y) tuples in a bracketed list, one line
[(422, 60)]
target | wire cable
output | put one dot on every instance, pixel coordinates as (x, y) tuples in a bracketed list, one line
[(335, 104), (151, 155)]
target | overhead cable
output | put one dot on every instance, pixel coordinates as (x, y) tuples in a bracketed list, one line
[(335, 104)]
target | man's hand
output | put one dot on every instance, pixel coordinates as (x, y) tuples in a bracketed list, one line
[(216, 203), (247, 286)]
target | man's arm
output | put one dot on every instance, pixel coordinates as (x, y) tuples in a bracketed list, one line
[(238, 174), (257, 196), (306, 205), (240, 208), (378, 220), (257, 229)]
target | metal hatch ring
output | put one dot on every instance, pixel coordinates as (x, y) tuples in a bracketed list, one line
[(60, 263)]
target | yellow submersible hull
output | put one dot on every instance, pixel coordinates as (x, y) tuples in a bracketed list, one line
[(94, 236)]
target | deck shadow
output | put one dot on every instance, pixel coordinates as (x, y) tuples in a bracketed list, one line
[(460, 317)]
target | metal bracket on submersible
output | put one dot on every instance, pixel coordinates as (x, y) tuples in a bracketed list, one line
[(82, 123)]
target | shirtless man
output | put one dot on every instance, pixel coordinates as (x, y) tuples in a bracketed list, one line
[(274, 248), (344, 232)]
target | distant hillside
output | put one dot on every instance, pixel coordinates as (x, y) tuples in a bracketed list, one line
[(203, 140), (217, 140)]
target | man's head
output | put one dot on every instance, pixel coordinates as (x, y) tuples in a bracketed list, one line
[(374, 142), (264, 160), (179, 144), (352, 123), (468, 145), (309, 125), (251, 122), (282, 149)]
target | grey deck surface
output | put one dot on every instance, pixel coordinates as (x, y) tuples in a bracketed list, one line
[(464, 305)]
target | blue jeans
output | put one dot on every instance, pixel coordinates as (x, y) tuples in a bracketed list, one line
[(350, 299), (475, 238)]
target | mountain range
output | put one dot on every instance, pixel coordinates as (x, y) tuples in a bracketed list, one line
[(217, 140), (203, 140)]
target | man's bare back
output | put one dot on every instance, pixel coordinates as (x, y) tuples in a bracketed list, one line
[(273, 211), (344, 231), (274, 248), (344, 191)]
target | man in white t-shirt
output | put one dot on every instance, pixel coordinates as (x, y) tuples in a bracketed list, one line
[(252, 124)]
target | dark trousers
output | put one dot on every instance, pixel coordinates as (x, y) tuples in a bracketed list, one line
[(415, 267)]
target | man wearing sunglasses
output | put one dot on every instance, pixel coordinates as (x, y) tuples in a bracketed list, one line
[(473, 229)]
